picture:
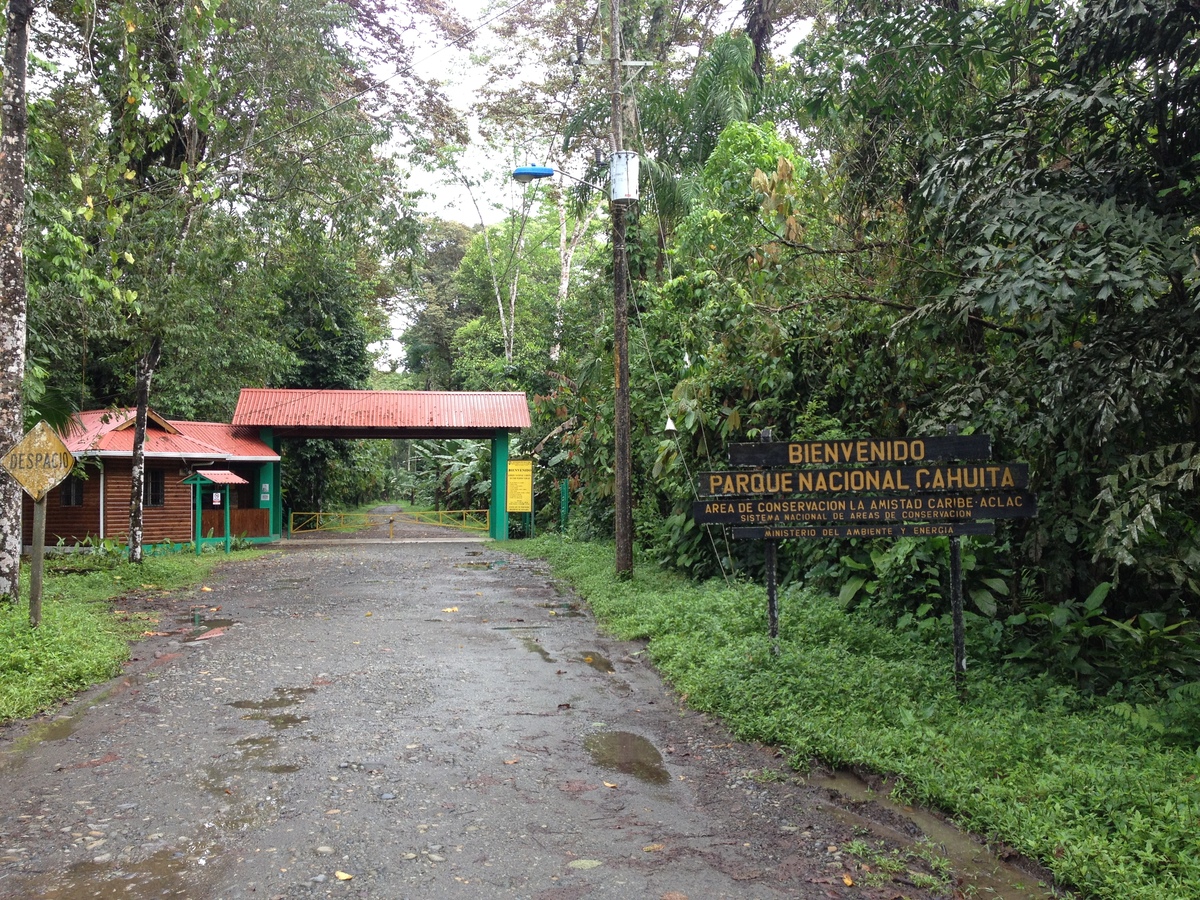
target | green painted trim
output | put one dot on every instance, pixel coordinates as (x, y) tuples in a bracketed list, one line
[(270, 473), (199, 517), (498, 511), (228, 536)]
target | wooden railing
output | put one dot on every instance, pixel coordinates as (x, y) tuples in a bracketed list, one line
[(242, 522)]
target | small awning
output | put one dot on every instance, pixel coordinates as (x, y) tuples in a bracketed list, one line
[(215, 476)]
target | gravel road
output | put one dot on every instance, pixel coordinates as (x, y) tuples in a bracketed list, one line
[(408, 720)]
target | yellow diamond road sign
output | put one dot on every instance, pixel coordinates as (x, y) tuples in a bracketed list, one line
[(40, 461)]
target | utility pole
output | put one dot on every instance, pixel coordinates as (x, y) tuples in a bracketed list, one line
[(623, 487)]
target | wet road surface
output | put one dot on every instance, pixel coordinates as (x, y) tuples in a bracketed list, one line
[(409, 720)]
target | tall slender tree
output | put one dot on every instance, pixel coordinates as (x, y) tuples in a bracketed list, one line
[(13, 295)]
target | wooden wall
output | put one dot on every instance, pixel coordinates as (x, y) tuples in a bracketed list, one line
[(170, 522), (71, 523), (242, 522)]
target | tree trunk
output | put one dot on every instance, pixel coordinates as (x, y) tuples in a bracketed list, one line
[(13, 298), (145, 373), (760, 28), (566, 253)]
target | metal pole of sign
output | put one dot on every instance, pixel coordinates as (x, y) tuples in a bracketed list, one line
[(37, 563), (772, 547), (956, 601), (956, 609)]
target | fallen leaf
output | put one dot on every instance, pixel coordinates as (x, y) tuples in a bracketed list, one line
[(608, 784), (206, 589), (342, 876), (848, 881), (654, 848), (583, 864), (450, 609), (370, 614)]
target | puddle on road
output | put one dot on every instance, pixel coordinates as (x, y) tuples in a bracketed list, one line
[(562, 609), (167, 873), (61, 729), (201, 626), (628, 753), (534, 647), (254, 747), (983, 874), (280, 769), (278, 721), (598, 662), (288, 584), (283, 698)]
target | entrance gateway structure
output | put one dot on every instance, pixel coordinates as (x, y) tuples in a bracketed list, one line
[(416, 415)]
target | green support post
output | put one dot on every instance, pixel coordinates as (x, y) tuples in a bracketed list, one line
[(199, 516), (269, 474), (228, 537), (498, 512)]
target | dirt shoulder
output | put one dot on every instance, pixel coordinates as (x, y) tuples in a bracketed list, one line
[(413, 720)]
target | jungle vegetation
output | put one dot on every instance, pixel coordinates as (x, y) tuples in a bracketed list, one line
[(901, 220)]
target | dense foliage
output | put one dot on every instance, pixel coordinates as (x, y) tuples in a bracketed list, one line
[(978, 215), (969, 216)]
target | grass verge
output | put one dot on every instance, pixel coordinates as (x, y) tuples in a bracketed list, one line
[(82, 639), (1030, 763)]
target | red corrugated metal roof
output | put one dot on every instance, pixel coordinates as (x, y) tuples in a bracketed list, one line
[(221, 476), (239, 441), (382, 410), (101, 432)]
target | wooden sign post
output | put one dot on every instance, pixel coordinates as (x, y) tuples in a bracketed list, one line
[(39, 462), (866, 488)]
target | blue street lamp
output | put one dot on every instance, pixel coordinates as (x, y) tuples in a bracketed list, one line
[(526, 174)]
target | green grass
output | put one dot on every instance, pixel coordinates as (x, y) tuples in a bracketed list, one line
[(1107, 810), (82, 640)]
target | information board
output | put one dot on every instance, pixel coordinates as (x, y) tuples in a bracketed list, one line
[(906, 529), (847, 480), (520, 486), (868, 451), (883, 507)]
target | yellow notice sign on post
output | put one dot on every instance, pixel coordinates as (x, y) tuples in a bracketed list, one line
[(520, 486), (40, 461)]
